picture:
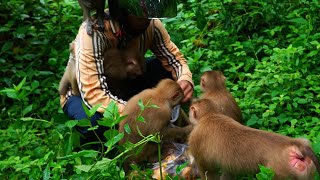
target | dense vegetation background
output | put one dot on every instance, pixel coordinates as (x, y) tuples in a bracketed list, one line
[(268, 50)]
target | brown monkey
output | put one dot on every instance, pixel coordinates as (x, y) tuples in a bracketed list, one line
[(118, 65), (217, 141), (121, 65), (69, 76), (87, 6), (213, 86), (165, 95)]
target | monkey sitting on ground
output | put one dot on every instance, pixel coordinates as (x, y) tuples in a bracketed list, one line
[(217, 141), (166, 95), (213, 86), (87, 6), (119, 65)]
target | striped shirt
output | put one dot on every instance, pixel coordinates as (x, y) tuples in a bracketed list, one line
[(89, 54)]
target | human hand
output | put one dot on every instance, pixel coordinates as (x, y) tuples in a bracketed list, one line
[(187, 90)]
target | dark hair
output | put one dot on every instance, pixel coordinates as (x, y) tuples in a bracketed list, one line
[(115, 11)]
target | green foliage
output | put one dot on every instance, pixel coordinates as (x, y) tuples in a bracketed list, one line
[(265, 173), (268, 50)]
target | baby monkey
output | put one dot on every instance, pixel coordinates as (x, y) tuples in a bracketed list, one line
[(217, 141), (213, 86), (87, 6), (118, 65)]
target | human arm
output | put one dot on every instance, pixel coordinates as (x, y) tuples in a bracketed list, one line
[(172, 59)]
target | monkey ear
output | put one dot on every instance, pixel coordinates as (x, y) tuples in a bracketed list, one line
[(193, 111)]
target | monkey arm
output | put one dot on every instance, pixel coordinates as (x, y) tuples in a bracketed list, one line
[(176, 132), (169, 54), (90, 72)]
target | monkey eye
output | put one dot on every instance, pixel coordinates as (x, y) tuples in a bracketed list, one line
[(176, 95)]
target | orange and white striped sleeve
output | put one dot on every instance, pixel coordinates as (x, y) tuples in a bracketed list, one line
[(169, 54), (91, 80)]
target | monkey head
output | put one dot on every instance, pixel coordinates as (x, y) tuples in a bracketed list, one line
[(212, 80), (136, 64), (200, 108), (170, 89)]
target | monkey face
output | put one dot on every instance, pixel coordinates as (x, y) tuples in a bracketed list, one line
[(170, 90), (133, 70), (135, 64)]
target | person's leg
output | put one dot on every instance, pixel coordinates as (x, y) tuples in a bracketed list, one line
[(73, 108)]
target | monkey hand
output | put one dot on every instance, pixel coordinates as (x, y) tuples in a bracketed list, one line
[(187, 90), (89, 26)]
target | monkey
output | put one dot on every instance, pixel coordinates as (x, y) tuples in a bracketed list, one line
[(213, 86), (119, 65), (69, 76), (165, 95), (87, 6), (217, 141)]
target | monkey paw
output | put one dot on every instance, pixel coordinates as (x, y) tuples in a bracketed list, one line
[(89, 27)]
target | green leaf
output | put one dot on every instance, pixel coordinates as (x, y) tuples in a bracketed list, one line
[(93, 128), (85, 168), (27, 110), (72, 123), (114, 140), (294, 104), (316, 146), (86, 109), (293, 122), (45, 157), (22, 94), (312, 53), (141, 119), (141, 105), (111, 133), (298, 20), (154, 106), (282, 118), (4, 29), (45, 73), (46, 173), (112, 108), (84, 123), (265, 173), (253, 120), (17, 88), (83, 153), (106, 122), (93, 110), (119, 119), (302, 101), (127, 128), (180, 168), (289, 107), (6, 47)]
